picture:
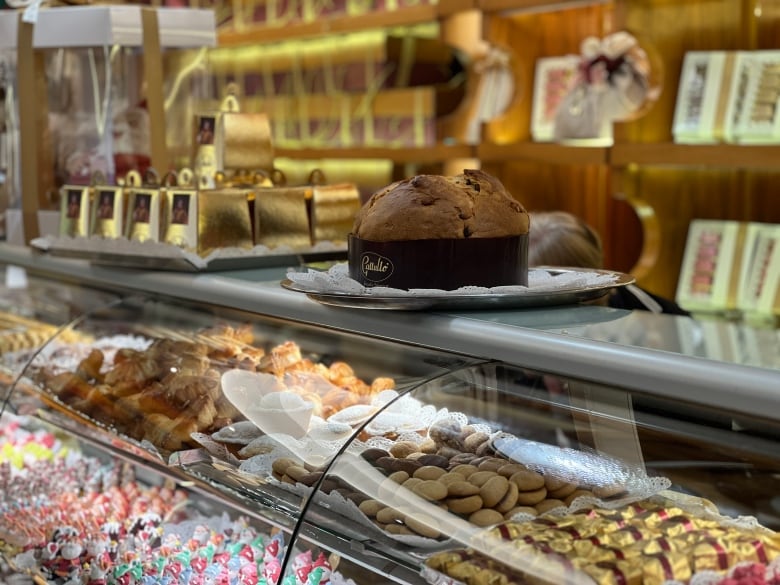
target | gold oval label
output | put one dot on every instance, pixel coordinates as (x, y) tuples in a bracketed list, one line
[(375, 267)]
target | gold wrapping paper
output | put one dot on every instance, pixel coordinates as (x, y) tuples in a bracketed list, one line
[(74, 211), (615, 572), (224, 220), (107, 212), (143, 215), (712, 554), (244, 140), (657, 569), (281, 217), (333, 211)]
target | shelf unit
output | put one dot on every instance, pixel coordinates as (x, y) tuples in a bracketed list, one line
[(611, 187)]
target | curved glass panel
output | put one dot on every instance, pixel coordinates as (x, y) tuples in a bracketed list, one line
[(219, 396), (520, 476), (32, 311)]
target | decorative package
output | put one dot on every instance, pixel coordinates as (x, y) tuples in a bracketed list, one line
[(554, 78), (759, 276), (708, 276), (740, 67), (701, 97), (758, 120)]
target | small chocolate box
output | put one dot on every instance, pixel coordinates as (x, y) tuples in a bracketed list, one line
[(74, 211)]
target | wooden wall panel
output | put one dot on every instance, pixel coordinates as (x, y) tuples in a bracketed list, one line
[(530, 36), (667, 29)]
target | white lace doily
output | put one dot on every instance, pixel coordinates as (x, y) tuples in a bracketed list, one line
[(337, 280)]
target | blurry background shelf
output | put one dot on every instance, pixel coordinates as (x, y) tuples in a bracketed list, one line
[(425, 154), (405, 16), (538, 5), (544, 152), (717, 155)]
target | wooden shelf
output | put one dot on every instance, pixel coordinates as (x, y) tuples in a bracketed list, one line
[(544, 152), (262, 34), (716, 155), (619, 155), (536, 5), (427, 154)]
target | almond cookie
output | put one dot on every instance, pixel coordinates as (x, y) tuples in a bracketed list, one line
[(462, 458), (371, 507), (608, 491), (530, 510), (398, 529), (480, 478), (451, 477), (464, 469), (403, 448), (493, 491), (398, 476), (492, 464), (553, 482), (411, 482), (486, 517), (473, 441), (431, 490), (528, 480), (465, 506), (510, 469), (374, 453), (429, 472), (422, 524), (546, 505), (459, 489), (562, 492), (434, 460), (282, 463), (576, 494), (388, 515), (531, 498), (509, 500)]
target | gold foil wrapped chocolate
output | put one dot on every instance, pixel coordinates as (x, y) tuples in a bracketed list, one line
[(615, 572), (74, 211), (711, 554), (660, 568)]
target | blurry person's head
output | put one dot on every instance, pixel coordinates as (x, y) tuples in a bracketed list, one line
[(558, 238)]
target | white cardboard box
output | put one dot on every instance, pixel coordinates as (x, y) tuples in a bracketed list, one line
[(95, 26)]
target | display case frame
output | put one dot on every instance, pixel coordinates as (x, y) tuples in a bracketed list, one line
[(688, 388)]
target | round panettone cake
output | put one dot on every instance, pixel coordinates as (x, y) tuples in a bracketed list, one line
[(432, 231)]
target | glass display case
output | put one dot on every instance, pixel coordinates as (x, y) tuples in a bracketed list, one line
[(567, 445)]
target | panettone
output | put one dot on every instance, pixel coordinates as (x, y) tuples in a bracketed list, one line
[(429, 207), (440, 232)]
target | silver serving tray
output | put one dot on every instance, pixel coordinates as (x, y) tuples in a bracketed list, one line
[(525, 299), (184, 264)]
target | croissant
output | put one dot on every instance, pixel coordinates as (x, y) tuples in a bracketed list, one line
[(152, 399), (171, 434), (89, 367)]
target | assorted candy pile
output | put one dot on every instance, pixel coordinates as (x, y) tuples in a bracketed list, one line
[(20, 447), (72, 519)]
